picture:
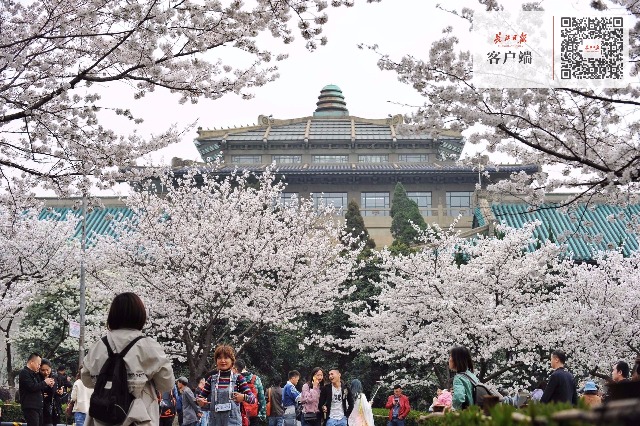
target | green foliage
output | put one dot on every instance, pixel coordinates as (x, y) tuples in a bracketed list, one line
[(11, 412), (500, 415), (45, 326), (404, 212), (355, 225), (48, 315), (381, 416)]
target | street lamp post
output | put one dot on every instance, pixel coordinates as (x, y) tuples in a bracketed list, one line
[(83, 246)]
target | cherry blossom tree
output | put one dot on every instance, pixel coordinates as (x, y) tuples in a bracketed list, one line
[(36, 254), (511, 299), (597, 311), (221, 260), (586, 135), (56, 56), (489, 294)]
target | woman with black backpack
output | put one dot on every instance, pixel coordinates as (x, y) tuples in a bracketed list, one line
[(126, 369)]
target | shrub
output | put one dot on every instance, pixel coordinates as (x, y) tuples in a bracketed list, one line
[(11, 412), (5, 394)]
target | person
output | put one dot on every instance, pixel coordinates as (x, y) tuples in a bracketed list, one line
[(635, 373), (31, 386), (538, 391), (178, 397), (204, 418), (361, 415), (80, 396), (442, 400), (190, 410), (241, 367), (167, 408), (64, 382), (224, 391), (51, 412), (590, 394), (290, 396), (620, 372), (460, 361), (398, 405), (336, 401), (274, 395), (148, 367), (561, 386), (310, 397)]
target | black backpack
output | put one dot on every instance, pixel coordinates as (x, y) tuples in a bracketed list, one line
[(110, 404), (482, 390)]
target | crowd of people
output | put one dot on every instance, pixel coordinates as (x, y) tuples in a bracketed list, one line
[(230, 395)]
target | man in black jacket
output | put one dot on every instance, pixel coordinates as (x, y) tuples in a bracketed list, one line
[(336, 401), (31, 387), (561, 386)]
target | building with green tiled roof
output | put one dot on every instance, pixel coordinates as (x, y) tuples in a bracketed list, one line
[(346, 157), (584, 229)]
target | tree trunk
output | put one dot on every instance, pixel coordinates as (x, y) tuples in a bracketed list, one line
[(11, 375)]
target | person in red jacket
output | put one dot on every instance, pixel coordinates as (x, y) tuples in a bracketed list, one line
[(398, 405)]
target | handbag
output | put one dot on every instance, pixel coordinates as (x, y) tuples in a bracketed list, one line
[(269, 403), (311, 417), (69, 410), (364, 419)]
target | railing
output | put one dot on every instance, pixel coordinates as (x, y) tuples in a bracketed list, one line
[(426, 212)]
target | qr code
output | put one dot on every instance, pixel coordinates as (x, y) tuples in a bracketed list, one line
[(591, 48)]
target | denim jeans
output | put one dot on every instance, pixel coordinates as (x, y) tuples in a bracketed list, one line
[(79, 418), (336, 422), (276, 421), (395, 422)]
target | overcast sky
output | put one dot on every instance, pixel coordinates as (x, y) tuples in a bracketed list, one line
[(398, 27)]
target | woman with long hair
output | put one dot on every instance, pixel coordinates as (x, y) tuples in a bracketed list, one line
[(460, 362), (310, 397), (362, 415)]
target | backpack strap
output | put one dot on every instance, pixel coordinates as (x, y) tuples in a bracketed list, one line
[(130, 345), (123, 352), (469, 377), (106, 343)]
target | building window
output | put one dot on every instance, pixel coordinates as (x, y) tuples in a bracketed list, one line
[(374, 204), (329, 158), (373, 158), (336, 199), (459, 203), (246, 159), (287, 159), (287, 198), (423, 200), (413, 158)]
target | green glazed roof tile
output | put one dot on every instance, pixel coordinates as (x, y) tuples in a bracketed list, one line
[(582, 227)]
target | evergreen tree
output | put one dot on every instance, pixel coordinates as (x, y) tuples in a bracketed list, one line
[(355, 225), (404, 212)]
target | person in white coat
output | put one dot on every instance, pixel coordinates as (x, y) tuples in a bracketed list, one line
[(362, 415), (149, 370), (80, 396)]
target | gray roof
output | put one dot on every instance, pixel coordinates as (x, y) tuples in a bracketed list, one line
[(320, 129), (367, 168)]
